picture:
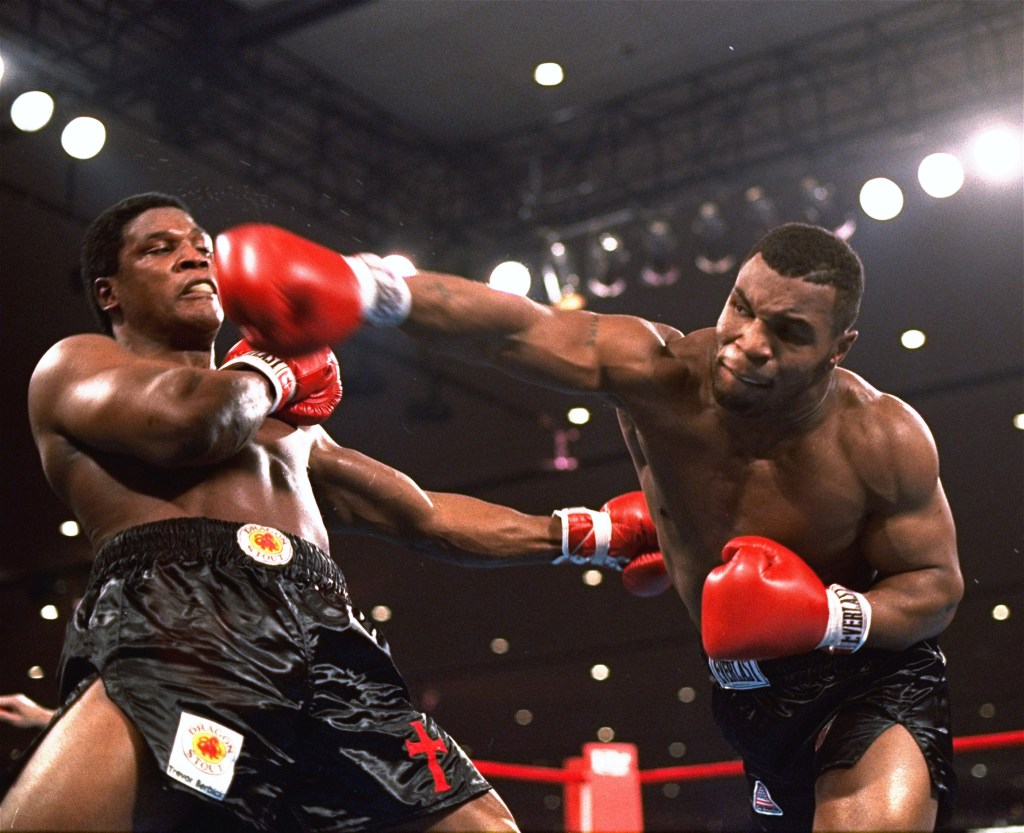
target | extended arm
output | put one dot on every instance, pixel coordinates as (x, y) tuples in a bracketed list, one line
[(578, 350), (372, 497)]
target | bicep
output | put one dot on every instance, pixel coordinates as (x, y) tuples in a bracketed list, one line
[(911, 527)]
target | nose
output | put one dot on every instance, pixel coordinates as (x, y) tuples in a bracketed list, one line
[(193, 257), (755, 341)]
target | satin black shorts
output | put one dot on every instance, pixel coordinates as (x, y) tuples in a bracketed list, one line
[(794, 718), (259, 689)]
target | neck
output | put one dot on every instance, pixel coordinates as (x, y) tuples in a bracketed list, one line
[(191, 352), (763, 432)]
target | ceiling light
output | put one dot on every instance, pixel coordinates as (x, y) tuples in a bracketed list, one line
[(524, 717), (381, 613), (578, 416), (32, 111), (499, 645), (548, 74), (1018, 422), (600, 672), (83, 137), (1001, 613), (913, 339), (941, 175), (49, 612), (997, 153), (606, 734), (69, 529), (36, 672), (511, 276), (881, 198), (592, 578)]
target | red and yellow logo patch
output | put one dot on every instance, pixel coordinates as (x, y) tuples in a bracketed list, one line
[(264, 544)]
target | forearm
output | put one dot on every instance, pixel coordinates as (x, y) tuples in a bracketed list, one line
[(912, 606), (207, 417), (448, 307), (475, 533)]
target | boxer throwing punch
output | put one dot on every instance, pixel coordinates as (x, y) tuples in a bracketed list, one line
[(819, 493), (215, 672)]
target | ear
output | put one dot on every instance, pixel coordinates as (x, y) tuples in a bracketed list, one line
[(105, 294), (843, 345)]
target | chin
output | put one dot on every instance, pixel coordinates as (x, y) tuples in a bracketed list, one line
[(739, 402)]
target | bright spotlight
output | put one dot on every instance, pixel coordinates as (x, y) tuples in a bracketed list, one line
[(548, 74), (941, 175), (32, 111), (913, 339), (83, 137), (511, 276), (997, 153), (881, 198)]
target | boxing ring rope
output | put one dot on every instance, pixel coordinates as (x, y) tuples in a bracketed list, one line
[(601, 789)]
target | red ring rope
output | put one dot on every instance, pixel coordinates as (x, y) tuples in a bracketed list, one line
[(719, 769)]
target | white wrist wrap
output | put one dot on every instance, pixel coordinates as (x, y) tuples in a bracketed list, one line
[(592, 548), (275, 370), (849, 620), (385, 296)]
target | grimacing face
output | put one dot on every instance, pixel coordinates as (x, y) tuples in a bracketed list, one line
[(775, 342), (165, 279)]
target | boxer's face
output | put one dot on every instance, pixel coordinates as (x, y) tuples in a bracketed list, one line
[(775, 341), (165, 278)]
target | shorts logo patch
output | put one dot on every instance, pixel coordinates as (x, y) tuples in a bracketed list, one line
[(763, 802), (203, 755), (264, 544), (426, 745)]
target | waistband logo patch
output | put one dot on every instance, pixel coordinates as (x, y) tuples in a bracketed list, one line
[(203, 755), (763, 802), (265, 544)]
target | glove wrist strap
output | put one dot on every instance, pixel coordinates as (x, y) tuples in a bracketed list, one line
[(385, 296), (586, 536), (849, 620), (274, 370)]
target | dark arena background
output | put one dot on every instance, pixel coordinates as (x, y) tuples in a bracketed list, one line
[(681, 130)]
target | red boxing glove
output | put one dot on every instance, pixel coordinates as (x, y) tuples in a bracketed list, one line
[(290, 296), (307, 388), (646, 575), (611, 537), (765, 602)]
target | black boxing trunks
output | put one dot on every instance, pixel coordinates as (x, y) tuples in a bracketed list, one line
[(236, 652), (794, 718)]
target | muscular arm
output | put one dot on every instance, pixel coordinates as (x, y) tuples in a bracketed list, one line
[(92, 391), (910, 538), (577, 350), (372, 497)]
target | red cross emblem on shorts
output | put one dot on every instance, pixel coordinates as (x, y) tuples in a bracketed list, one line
[(426, 745)]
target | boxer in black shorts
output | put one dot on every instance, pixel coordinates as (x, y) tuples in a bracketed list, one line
[(222, 676), (793, 719), (754, 447), (257, 683)]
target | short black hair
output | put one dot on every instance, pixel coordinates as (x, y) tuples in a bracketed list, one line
[(101, 245), (816, 255)]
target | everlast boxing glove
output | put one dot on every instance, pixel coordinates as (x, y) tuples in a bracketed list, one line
[(621, 535), (290, 296), (764, 602), (307, 388)]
